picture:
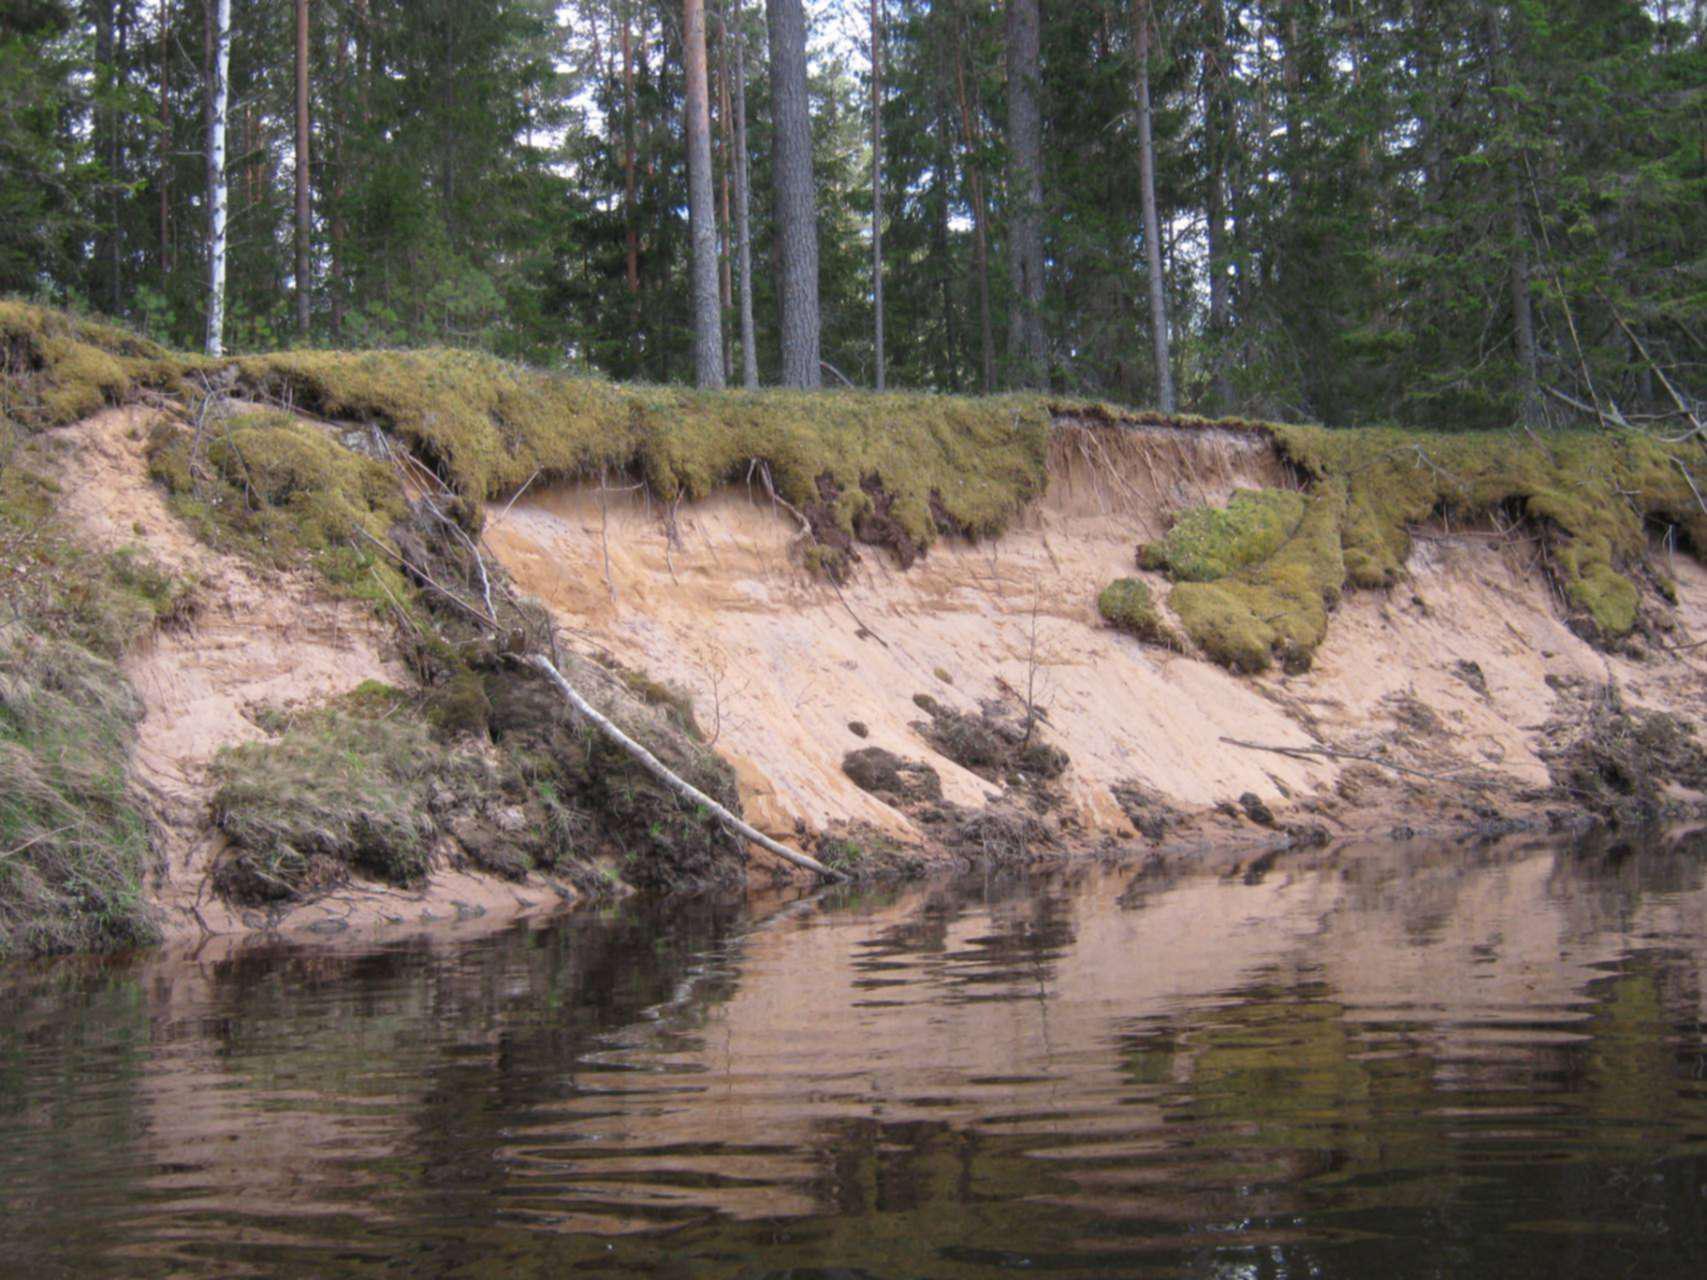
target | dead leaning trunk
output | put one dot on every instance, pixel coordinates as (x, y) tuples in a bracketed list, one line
[(687, 791), (707, 305), (1152, 223)]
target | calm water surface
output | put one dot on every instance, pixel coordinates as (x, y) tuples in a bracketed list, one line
[(1393, 1062)]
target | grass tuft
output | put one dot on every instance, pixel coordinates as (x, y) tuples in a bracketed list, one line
[(336, 793), (74, 844)]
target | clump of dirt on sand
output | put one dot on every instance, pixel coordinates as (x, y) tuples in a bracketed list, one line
[(1629, 766)]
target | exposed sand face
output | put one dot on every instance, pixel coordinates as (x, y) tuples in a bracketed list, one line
[(782, 662)]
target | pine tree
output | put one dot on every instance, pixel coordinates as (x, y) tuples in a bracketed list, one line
[(707, 319), (1026, 345), (796, 209)]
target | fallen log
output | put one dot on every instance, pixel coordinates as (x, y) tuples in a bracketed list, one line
[(539, 662)]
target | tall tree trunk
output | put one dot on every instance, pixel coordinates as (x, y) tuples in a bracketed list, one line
[(942, 168), (1026, 346), (219, 95), (165, 158), (877, 189), (303, 212), (1218, 119), (1517, 233), (743, 214), (971, 139), (1152, 223), (1292, 82), (104, 126), (725, 152), (702, 218), (631, 231), (332, 168), (796, 204)]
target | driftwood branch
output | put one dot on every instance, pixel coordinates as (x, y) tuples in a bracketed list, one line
[(656, 768), (1303, 753)]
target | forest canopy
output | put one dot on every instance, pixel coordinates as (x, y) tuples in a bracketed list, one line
[(1458, 214)]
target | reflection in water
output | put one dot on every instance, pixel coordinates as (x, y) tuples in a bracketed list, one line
[(1406, 1062)]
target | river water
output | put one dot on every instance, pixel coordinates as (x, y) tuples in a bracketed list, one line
[(1402, 1061)]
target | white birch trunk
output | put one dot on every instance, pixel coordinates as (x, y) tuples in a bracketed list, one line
[(219, 91)]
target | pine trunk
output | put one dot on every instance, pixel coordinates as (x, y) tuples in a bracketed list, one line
[(725, 220), (971, 137), (702, 217), (743, 217), (1218, 117), (877, 189), (796, 205), (164, 181), (631, 233), (1026, 346), (303, 209), (1152, 223), (1517, 235), (218, 102)]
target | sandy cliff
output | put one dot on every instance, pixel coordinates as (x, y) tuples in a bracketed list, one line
[(880, 626), (1455, 673)]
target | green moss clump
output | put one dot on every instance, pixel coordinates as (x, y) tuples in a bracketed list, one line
[(1207, 543), (598, 795), (74, 842), (335, 793), (459, 706), (275, 482), (1126, 604), (1278, 608), (56, 368)]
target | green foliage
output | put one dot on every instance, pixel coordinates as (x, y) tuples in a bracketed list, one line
[(74, 842)]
